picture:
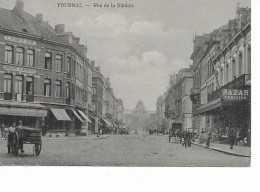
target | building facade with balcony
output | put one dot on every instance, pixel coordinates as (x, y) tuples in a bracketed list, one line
[(225, 84), (43, 73)]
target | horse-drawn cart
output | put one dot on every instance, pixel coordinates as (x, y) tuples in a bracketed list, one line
[(25, 136)]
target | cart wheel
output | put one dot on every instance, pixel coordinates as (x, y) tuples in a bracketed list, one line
[(37, 149)]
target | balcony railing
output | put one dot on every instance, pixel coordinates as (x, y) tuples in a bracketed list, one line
[(238, 82), (235, 84)]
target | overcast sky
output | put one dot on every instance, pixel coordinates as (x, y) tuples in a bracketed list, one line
[(138, 48)]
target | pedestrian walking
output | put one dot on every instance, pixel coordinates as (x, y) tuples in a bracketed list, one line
[(231, 136), (189, 138), (19, 126), (208, 138), (186, 138), (2, 129), (180, 136)]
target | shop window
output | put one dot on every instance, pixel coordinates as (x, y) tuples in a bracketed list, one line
[(67, 90), (19, 55), (29, 85), (233, 68), (47, 87), (58, 62), (68, 64), (94, 90), (58, 89), (47, 61), (19, 84), (240, 64), (94, 106), (226, 73), (8, 83), (30, 57), (8, 54)]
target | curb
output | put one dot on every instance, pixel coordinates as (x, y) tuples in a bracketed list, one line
[(220, 150)]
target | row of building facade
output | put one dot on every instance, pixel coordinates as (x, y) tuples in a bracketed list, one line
[(214, 93), (47, 81)]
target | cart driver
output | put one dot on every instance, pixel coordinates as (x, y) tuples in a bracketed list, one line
[(20, 141), (11, 131)]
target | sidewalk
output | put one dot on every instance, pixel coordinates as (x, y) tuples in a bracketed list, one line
[(242, 151)]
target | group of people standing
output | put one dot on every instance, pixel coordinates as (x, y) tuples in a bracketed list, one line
[(8, 132), (186, 136)]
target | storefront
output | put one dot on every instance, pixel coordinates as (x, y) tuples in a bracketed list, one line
[(32, 115), (85, 125), (232, 110), (107, 126), (57, 122)]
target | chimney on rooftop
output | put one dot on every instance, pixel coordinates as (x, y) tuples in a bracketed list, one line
[(60, 28), (97, 69), (18, 9), (39, 17)]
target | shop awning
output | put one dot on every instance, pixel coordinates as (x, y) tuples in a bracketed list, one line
[(84, 116), (77, 115), (26, 112), (60, 114), (92, 117), (205, 108), (109, 124)]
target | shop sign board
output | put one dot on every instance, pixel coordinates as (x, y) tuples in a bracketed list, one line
[(23, 111), (19, 40), (18, 69), (236, 94)]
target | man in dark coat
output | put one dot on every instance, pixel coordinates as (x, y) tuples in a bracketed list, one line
[(189, 138), (186, 138), (231, 136)]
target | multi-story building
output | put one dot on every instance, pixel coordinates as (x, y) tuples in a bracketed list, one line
[(118, 112), (107, 109), (44, 74), (178, 106), (160, 115), (225, 80)]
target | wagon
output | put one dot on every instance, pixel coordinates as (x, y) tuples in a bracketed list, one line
[(25, 136)]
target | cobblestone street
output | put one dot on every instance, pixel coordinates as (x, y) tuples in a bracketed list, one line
[(119, 150)]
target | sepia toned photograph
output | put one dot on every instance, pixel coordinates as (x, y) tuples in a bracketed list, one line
[(115, 83)]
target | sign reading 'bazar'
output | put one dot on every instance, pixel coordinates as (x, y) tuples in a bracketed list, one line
[(235, 94)]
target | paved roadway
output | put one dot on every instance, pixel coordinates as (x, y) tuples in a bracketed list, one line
[(120, 150)]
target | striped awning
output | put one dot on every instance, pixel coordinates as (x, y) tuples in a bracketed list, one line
[(109, 124), (77, 115), (84, 116), (60, 114)]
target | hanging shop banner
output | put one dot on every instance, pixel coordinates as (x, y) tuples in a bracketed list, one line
[(236, 94)]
